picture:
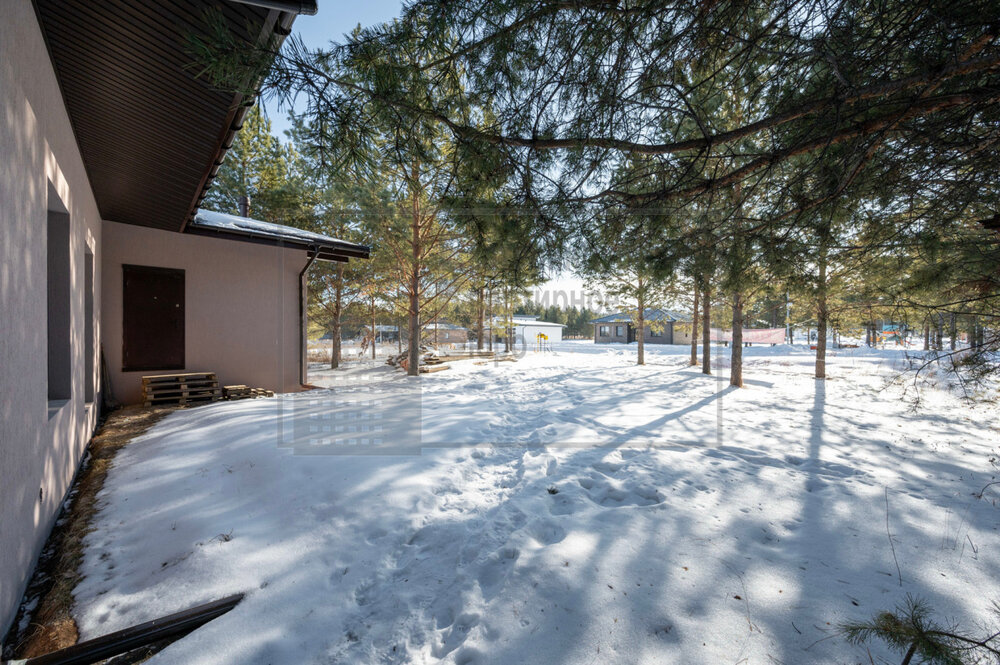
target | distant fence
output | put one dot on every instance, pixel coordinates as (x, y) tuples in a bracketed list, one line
[(751, 335)]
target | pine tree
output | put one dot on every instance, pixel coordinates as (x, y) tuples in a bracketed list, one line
[(912, 632)]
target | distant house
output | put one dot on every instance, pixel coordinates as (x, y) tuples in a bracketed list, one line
[(382, 333), (524, 330), (444, 333), (662, 327)]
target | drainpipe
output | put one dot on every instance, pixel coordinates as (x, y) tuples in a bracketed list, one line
[(303, 329)]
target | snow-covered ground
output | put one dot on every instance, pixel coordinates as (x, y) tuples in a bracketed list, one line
[(568, 508)]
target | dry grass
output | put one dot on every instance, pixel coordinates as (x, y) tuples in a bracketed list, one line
[(51, 625)]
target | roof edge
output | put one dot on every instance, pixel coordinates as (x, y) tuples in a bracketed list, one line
[(280, 24)]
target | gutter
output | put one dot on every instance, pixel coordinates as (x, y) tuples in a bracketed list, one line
[(328, 251), (290, 6)]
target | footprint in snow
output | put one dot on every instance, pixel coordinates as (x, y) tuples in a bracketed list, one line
[(608, 468), (455, 634), (495, 571), (546, 532), (608, 495), (562, 504)]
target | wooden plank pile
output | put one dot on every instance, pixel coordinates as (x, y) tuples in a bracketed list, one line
[(430, 369), (498, 359), (183, 389), (431, 359), (241, 391)]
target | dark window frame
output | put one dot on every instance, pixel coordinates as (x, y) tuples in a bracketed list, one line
[(130, 365), (604, 331), (59, 301), (619, 331)]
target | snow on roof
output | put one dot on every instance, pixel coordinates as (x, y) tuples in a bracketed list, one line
[(520, 322), (224, 223), (536, 322), (442, 326), (648, 315)]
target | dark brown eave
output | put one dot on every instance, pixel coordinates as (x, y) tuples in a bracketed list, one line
[(278, 23), (150, 131)]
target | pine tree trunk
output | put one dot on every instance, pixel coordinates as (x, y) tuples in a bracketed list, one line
[(939, 333), (694, 330), (492, 321), (374, 334), (413, 356), (927, 336), (506, 320), (413, 352), (335, 343), (736, 356), (953, 331), (479, 319), (338, 312), (821, 318), (641, 330), (706, 331)]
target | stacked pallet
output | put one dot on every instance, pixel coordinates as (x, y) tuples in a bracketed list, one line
[(241, 391), (193, 387)]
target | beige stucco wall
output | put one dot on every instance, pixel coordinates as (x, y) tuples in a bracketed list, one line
[(39, 454), (241, 306)]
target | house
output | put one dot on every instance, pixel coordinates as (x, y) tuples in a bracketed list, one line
[(661, 327), (383, 333), (444, 333), (525, 330), (109, 269)]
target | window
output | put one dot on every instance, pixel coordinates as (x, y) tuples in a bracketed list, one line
[(619, 331), (655, 332), (60, 384), (153, 318), (89, 352), (604, 331)]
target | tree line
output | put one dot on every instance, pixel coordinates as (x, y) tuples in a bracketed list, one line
[(842, 154)]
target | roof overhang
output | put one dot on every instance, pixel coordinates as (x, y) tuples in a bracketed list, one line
[(244, 229), (151, 133)]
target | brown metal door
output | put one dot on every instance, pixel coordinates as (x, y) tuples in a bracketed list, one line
[(153, 318)]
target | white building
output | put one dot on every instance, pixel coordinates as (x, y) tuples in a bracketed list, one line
[(526, 330)]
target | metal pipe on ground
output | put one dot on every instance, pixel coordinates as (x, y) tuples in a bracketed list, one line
[(123, 641)]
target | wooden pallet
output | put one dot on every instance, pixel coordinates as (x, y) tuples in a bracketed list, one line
[(183, 389), (241, 391)]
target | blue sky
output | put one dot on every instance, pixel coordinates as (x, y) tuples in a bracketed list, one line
[(334, 19)]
